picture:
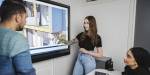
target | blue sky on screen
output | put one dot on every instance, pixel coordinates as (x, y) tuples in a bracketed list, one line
[(1, 1)]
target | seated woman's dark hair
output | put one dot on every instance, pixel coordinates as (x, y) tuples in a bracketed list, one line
[(10, 7), (142, 56)]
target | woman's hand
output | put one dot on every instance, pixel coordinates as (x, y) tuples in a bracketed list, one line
[(83, 50), (97, 53)]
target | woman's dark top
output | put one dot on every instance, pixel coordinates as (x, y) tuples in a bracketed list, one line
[(138, 71), (85, 41)]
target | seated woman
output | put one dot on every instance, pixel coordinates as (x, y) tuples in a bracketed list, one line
[(137, 61), (87, 41)]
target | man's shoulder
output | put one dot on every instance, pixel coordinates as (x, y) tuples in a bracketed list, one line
[(19, 35), (15, 35), (15, 38), (10, 34)]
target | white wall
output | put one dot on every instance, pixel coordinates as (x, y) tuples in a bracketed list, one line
[(115, 22)]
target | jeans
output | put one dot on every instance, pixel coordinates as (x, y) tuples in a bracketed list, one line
[(18, 65), (85, 63)]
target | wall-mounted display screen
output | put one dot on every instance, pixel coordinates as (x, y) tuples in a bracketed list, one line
[(47, 26)]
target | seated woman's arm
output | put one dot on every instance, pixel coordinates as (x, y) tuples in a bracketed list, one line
[(97, 53)]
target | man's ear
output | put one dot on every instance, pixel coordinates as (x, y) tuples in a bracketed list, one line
[(18, 18)]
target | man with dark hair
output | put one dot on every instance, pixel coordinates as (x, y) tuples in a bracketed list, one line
[(15, 58)]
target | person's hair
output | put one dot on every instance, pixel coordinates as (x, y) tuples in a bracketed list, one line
[(92, 29), (142, 56), (9, 8)]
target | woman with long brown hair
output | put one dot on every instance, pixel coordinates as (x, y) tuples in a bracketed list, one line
[(88, 41)]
